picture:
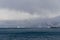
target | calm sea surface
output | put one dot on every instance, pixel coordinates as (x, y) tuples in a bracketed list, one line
[(30, 36)]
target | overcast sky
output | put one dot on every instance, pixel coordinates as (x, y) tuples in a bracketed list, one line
[(30, 13), (28, 9)]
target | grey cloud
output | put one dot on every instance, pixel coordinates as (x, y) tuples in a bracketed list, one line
[(31, 5), (40, 6), (35, 23)]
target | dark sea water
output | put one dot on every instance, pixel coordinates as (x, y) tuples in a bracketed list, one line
[(30, 35)]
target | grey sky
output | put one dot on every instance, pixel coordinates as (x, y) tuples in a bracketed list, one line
[(37, 12), (44, 8), (31, 5)]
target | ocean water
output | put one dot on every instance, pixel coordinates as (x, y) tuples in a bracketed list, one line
[(32, 35)]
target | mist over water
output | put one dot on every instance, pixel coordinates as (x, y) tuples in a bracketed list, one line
[(32, 23)]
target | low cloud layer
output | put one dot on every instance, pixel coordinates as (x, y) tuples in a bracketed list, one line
[(44, 8), (30, 12), (8, 14)]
